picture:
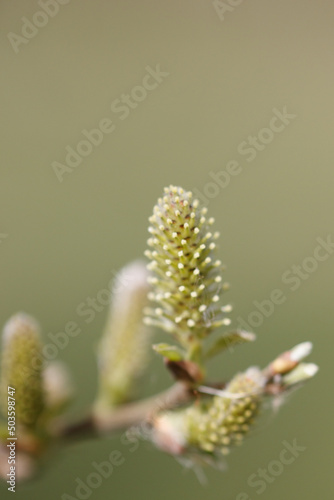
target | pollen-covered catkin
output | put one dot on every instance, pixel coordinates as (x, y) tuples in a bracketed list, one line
[(222, 422), (186, 276)]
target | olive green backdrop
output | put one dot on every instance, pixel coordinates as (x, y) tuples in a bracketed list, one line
[(225, 69)]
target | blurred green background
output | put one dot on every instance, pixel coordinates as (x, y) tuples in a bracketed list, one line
[(64, 240)]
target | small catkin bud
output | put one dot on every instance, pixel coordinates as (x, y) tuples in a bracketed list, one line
[(186, 276), (123, 348), (21, 369), (58, 387), (222, 421), (169, 433), (289, 360), (303, 372)]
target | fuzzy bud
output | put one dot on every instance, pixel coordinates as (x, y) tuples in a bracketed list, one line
[(301, 373), (289, 360), (123, 348), (58, 387), (21, 369)]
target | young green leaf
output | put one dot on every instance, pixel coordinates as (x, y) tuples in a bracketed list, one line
[(171, 352), (228, 340)]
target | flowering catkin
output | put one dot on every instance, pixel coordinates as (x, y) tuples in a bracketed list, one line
[(223, 421), (214, 424), (186, 278)]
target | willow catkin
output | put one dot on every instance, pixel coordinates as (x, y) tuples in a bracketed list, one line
[(21, 369), (186, 276)]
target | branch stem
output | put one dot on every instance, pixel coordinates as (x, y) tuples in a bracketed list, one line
[(128, 415)]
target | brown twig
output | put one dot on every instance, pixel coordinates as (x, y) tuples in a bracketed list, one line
[(128, 415)]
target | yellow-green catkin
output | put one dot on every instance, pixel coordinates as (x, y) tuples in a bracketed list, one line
[(223, 421), (21, 369), (186, 276), (122, 352)]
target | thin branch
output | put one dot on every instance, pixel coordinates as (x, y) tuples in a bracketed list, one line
[(139, 412), (128, 415)]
